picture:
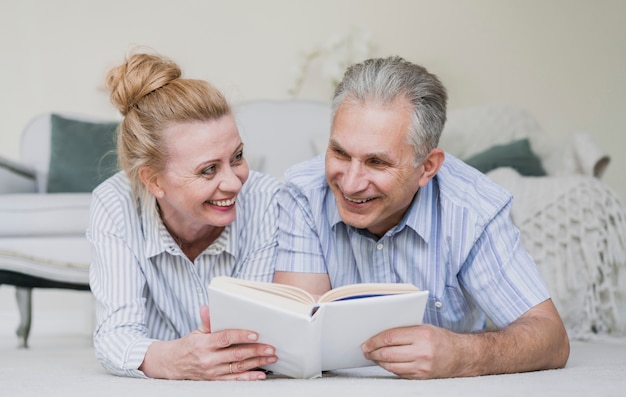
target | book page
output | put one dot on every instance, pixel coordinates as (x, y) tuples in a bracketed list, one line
[(262, 290), (366, 289)]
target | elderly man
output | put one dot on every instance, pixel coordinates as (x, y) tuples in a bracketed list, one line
[(385, 204)]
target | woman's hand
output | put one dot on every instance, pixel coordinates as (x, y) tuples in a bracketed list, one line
[(202, 355)]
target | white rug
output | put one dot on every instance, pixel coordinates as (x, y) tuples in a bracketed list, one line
[(65, 366)]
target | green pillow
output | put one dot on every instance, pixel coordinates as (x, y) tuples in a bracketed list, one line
[(82, 154), (516, 155)]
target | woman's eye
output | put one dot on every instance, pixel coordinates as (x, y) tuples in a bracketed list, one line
[(239, 156), (208, 170)]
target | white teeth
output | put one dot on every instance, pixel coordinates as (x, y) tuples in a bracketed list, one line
[(222, 203), (356, 200)]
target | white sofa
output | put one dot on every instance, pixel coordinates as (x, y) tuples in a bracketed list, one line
[(572, 223), (42, 241), (42, 235)]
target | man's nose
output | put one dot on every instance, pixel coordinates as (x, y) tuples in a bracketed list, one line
[(354, 180)]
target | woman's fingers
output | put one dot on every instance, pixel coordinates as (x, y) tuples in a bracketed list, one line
[(205, 327), (248, 369)]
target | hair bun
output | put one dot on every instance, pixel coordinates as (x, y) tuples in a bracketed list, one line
[(140, 75)]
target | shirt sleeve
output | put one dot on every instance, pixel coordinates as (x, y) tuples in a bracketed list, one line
[(117, 283), (299, 245), (500, 274)]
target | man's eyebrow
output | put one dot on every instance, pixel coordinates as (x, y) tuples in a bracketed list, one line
[(333, 144), (383, 155)]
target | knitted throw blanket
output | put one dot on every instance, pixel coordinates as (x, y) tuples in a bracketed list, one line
[(575, 229)]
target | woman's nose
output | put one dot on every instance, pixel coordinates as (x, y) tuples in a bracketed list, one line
[(230, 181)]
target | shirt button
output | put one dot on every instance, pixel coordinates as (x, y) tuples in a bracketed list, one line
[(438, 304), (199, 290), (379, 247)]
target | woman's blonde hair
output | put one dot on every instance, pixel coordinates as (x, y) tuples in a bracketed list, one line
[(151, 95)]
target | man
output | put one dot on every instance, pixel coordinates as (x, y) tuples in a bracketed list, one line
[(385, 204)]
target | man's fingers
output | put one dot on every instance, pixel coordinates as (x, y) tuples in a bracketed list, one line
[(390, 354), (390, 337)]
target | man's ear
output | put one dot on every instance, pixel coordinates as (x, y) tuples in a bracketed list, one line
[(432, 164), (150, 181)]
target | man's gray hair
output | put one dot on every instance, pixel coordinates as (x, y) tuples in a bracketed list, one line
[(383, 80)]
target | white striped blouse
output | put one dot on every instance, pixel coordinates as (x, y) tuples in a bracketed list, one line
[(145, 288), (456, 240)]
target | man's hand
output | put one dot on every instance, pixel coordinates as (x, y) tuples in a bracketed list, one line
[(202, 355), (536, 340), (419, 352)]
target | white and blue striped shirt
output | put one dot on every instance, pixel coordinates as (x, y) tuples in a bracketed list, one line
[(145, 288), (456, 240)]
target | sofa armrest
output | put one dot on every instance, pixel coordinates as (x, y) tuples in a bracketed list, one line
[(16, 177), (579, 154), (592, 159)]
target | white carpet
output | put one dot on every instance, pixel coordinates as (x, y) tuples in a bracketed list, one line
[(65, 366)]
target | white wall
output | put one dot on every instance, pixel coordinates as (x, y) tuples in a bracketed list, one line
[(564, 60)]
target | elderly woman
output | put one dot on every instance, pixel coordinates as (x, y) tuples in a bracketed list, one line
[(185, 208)]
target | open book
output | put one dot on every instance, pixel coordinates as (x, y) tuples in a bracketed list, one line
[(314, 335)]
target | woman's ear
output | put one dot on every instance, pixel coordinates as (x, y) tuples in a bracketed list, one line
[(432, 164), (150, 181)]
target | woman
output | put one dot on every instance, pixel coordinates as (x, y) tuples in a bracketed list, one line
[(184, 209)]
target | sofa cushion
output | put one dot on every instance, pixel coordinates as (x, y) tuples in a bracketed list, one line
[(517, 155), (59, 214), (59, 258), (82, 154)]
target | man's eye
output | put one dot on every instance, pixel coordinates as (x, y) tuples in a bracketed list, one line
[(340, 152), (238, 156)]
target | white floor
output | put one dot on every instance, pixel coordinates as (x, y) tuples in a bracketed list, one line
[(55, 312)]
